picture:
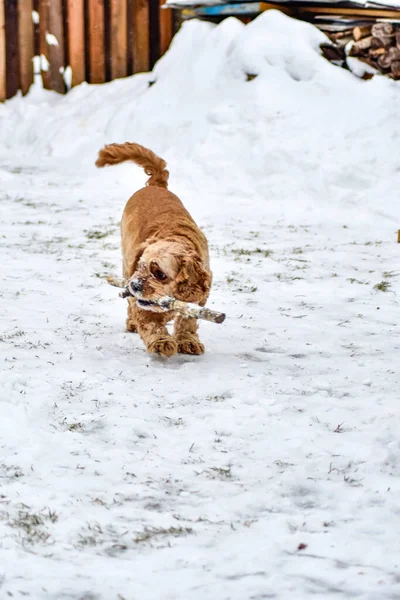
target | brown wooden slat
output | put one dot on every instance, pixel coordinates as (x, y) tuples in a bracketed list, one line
[(26, 44), (51, 22), (43, 27), (119, 38), (166, 20), (141, 37), (65, 31), (107, 38), (12, 53), (96, 41), (131, 35), (76, 40), (154, 31), (57, 58), (36, 31), (3, 91), (378, 13)]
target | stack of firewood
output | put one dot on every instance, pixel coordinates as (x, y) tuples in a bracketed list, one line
[(377, 45)]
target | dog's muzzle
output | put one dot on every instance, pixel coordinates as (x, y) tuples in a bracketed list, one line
[(136, 286)]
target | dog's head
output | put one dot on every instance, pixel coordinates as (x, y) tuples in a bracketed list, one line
[(167, 268)]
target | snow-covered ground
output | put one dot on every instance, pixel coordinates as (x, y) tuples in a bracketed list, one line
[(269, 467)]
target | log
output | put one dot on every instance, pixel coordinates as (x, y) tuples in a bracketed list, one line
[(338, 35), (374, 52), (361, 46), (383, 41), (394, 53), (395, 69), (331, 52), (26, 44), (361, 32), (382, 29), (3, 92), (343, 41), (384, 61)]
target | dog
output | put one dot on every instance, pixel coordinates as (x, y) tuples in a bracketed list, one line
[(164, 254)]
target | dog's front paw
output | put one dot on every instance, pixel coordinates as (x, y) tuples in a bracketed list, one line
[(165, 346), (190, 346)]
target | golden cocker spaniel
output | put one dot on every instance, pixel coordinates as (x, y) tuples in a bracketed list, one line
[(164, 254)]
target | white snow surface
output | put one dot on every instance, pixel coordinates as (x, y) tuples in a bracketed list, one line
[(269, 467)]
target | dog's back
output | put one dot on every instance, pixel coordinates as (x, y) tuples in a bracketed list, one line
[(153, 212)]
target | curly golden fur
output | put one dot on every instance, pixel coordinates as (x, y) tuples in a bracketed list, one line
[(164, 254)]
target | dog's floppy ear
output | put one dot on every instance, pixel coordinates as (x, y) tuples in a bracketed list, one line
[(193, 280)]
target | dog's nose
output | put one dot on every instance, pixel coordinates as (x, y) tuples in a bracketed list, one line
[(136, 285)]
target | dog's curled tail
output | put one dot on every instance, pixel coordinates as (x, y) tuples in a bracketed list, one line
[(153, 165)]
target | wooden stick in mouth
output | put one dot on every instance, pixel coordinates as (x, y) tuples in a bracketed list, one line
[(168, 303)]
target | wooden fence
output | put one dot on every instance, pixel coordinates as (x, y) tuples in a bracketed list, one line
[(99, 40)]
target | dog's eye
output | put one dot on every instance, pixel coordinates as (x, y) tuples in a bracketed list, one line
[(159, 275)]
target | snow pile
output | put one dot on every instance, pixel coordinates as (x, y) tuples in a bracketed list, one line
[(202, 108), (269, 466)]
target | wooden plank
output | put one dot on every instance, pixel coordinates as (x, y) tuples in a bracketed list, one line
[(3, 91), (36, 30), (131, 35), (56, 51), (119, 38), (12, 50), (43, 28), (237, 8), (154, 31), (76, 40), (52, 44), (141, 38), (97, 65), (166, 18), (234, 8), (26, 44), (378, 13)]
